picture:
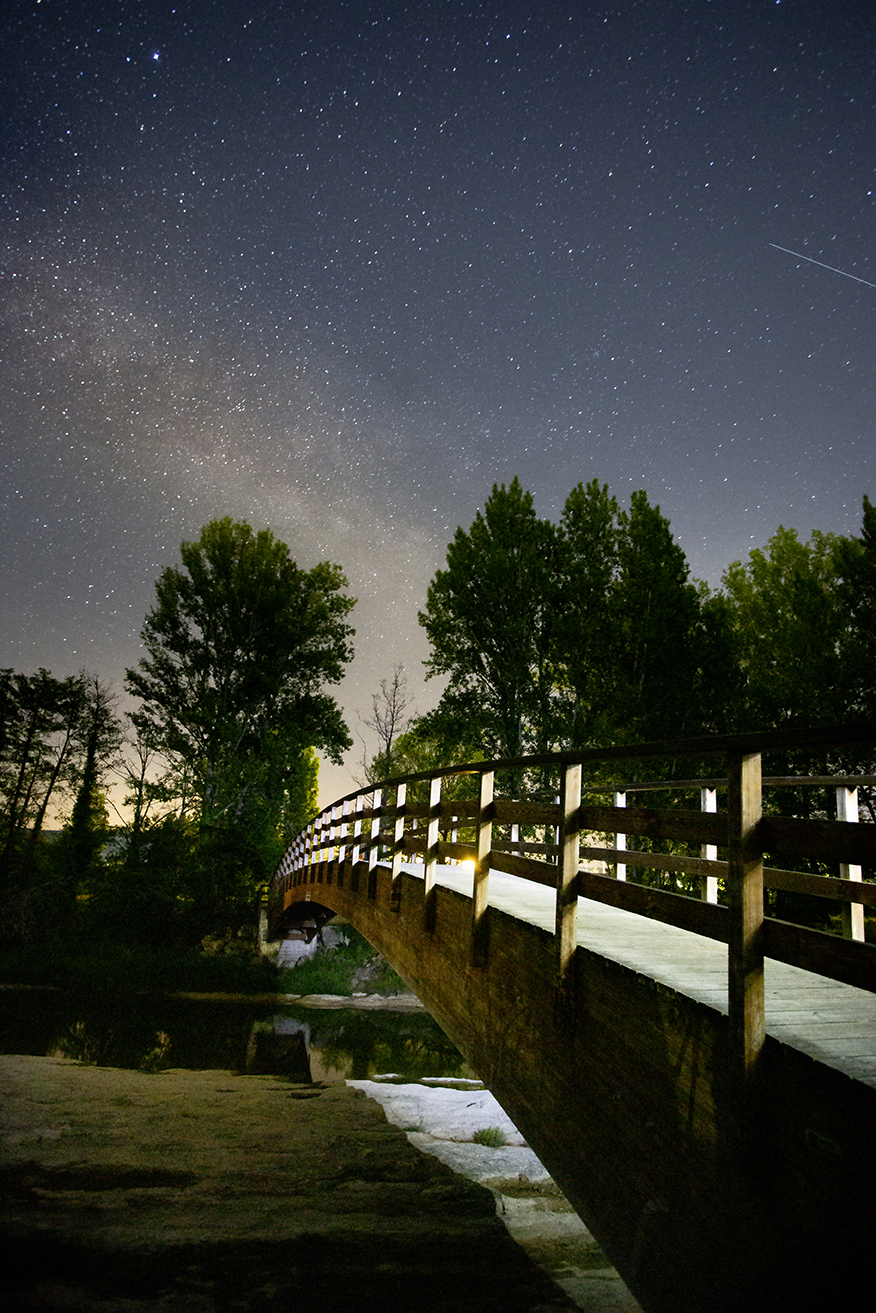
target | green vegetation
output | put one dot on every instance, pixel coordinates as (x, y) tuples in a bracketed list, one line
[(586, 632), (591, 633), (117, 969), (491, 1136), (582, 633), (331, 970), (240, 646), (221, 774)]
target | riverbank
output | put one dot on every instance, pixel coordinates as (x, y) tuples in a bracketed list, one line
[(205, 1191), (440, 1114)]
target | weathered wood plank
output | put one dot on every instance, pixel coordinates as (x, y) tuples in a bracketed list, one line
[(431, 855), (745, 975), (829, 841), (658, 861), (521, 812), (527, 868), (848, 960), (820, 886), (657, 823), (458, 852), (480, 884), (524, 846), (567, 873), (708, 919)]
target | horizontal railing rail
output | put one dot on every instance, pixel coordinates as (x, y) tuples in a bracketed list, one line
[(579, 846)]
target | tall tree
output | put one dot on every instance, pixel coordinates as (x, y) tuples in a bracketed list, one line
[(856, 563), (99, 739), (57, 737), (240, 646), (388, 721), (490, 617), (586, 646), (791, 621), (43, 738), (656, 620)]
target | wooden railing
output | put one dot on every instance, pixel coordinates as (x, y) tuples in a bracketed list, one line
[(562, 835)]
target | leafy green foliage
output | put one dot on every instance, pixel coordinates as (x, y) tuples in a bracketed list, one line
[(590, 567), (491, 617), (239, 646), (110, 968), (332, 968), (58, 739), (790, 620), (581, 634), (491, 1136)]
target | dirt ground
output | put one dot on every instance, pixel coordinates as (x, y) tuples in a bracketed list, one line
[(127, 1192)]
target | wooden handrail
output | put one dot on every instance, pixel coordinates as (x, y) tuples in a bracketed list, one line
[(486, 829)]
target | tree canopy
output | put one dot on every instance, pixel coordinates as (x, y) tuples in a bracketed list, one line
[(591, 632), (491, 616), (240, 647), (58, 740)]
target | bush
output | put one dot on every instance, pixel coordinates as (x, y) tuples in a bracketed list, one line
[(331, 970), (492, 1136)]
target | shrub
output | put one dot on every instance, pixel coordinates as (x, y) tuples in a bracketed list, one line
[(492, 1136)]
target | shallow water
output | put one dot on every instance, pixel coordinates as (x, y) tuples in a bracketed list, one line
[(152, 1034)]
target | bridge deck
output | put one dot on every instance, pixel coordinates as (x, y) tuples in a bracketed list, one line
[(829, 1021)]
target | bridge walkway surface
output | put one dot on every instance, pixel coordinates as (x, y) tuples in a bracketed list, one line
[(830, 1021)]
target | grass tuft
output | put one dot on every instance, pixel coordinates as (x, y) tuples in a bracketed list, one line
[(492, 1136)]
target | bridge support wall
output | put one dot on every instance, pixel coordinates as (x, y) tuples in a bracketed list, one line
[(704, 1198)]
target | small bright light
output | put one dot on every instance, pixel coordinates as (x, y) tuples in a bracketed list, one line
[(466, 867)]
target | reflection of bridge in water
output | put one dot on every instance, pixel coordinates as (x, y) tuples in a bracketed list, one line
[(699, 1078)]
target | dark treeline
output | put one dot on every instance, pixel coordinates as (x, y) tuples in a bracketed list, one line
[(591, 632), (583, 633), (218, 764)]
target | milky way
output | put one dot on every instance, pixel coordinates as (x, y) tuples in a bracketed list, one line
[(338, 267)]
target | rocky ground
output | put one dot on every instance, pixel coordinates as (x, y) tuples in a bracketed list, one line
[(130, 1192)]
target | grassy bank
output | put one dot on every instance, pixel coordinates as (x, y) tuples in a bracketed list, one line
[(352, 965)]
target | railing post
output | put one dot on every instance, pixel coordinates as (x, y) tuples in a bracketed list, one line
[(313, 830), (356, 850), (431, 854), (342, 845), (745, 979), (567, 874), (333, 835), (852, 913), (483, 851), (317, 853), (376, 808), (620, 840), (401, 794), (709, 883)]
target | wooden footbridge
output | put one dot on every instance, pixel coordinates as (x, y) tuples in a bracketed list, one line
[(610, 940)]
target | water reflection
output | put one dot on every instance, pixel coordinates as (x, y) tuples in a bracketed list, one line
[(299, 1043)]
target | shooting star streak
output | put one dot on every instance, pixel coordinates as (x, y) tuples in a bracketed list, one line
[(822, 265)]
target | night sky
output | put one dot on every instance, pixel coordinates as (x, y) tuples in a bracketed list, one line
[(336, 268)]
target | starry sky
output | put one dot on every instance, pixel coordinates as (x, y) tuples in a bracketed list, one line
[(335, 267)]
